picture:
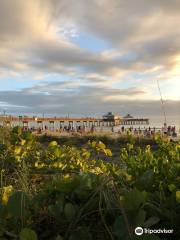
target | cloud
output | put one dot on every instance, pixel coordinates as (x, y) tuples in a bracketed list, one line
[(37, 30), (65, 93), (145, 29), (83, 102)]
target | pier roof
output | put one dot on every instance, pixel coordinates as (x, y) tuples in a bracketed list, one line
[(128, 116), (29, 119)]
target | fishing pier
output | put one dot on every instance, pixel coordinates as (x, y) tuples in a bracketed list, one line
[(52, 123)]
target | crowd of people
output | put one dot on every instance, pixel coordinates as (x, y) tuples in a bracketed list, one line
[(169, 130), (68, 129), (146, 132)]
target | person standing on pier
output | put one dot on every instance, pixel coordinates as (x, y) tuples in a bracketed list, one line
[(164, 129), (112, 129)]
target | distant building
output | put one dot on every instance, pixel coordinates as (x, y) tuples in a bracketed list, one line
[(128, 116), (111, 118), (128, 119)]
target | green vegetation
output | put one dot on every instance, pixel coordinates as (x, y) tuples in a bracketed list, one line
[(60, 192)]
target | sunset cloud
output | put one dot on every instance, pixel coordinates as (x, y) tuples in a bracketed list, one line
[(102, 51)]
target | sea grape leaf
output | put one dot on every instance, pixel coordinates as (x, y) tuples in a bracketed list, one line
[(67, 185), (178, 196), (108, 152), (53, 144), (94, 143), (56, 210), (151, 221), (145, 181), (28, 234), (17, 150), (101, 145), (57, 152), (86, 154), (140, 217), (120, 228), (171, 187), (69, 211), (133, 199)]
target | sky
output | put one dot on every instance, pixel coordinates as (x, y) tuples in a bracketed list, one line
[(88, 57)]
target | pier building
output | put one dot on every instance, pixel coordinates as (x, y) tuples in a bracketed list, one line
[(130, 120)]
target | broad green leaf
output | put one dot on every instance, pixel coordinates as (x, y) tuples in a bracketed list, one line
[(178, 196), (57, 152), (133, 199), (120, 228), (101, 145), (108, 152), (67, 185), (86, 154), (93, 144), (151, 221), (23, 141), (145, 181), (17, 150), (171, 187), (28, 234), (53, 144), (56, 210), (140, 217), (69, 211)]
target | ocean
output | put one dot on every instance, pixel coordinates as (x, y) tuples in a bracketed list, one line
[(158, 121)]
